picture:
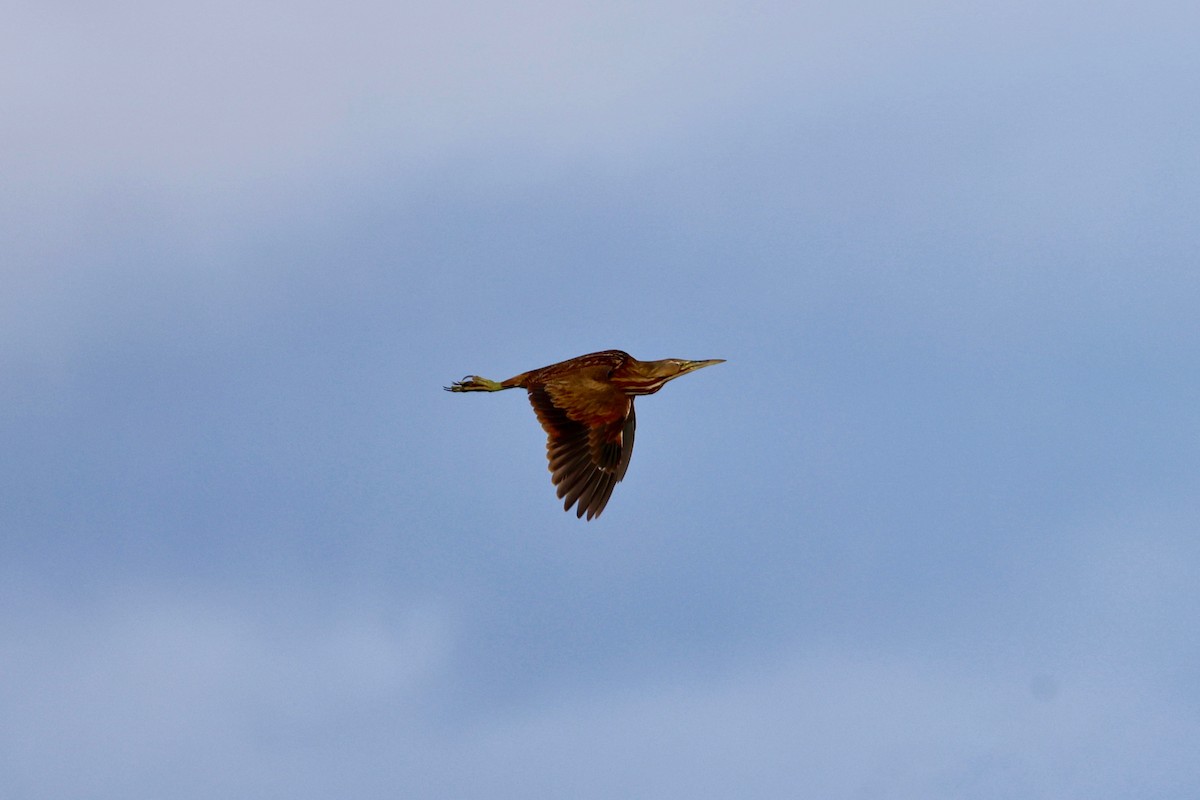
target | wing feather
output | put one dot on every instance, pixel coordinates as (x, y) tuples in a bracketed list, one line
[(589, 440)]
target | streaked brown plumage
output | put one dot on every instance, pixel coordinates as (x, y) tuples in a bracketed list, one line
[(585, 405)]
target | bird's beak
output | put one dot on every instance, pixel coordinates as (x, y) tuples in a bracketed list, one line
[(692, 366)]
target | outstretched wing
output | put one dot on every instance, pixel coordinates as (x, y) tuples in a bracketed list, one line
[(589, 429)]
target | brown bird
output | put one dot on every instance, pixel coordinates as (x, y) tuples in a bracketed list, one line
[(585, 405)]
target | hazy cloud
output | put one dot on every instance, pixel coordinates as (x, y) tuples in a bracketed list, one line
[(928, 532)]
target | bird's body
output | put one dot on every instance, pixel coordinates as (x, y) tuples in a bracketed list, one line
[(585, 405)]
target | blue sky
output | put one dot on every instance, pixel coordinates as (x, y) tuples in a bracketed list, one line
[(929, 532)]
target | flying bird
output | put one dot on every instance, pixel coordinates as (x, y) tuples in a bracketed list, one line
[(585, 405)]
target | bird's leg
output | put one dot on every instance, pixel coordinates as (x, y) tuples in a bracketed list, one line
[(474, 383)]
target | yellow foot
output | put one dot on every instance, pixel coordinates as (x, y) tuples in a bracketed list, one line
[(474, 383)]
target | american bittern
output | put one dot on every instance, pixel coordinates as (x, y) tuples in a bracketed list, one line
[(585, 405)]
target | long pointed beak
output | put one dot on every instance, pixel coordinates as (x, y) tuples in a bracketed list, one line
[(692, 366)]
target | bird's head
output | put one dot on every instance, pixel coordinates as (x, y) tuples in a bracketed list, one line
[(647, 377)]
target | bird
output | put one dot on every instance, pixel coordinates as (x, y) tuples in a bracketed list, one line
[(585, 405)]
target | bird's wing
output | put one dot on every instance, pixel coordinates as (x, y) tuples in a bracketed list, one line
[(589, 429)]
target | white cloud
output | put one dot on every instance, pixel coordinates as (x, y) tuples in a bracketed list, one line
[(839, 726), (131, 691), (195, 127), (191, 694), (208, 93)]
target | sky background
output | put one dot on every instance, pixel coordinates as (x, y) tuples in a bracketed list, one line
[(930, 532)]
